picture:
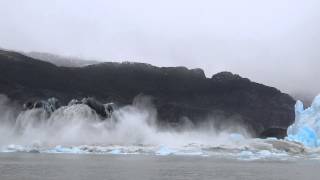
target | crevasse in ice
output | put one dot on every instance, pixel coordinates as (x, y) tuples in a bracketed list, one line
[(306, 128)]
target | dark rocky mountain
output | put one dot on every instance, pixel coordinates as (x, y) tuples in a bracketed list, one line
[(177, 92)]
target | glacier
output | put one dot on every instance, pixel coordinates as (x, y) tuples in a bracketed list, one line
[(306, 128)]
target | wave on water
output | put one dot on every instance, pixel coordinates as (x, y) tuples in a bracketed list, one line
[(132, 129)]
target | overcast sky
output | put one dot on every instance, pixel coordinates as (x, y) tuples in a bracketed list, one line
[(275, 42)]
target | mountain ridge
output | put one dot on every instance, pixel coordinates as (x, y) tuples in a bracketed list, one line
[(177, 92)]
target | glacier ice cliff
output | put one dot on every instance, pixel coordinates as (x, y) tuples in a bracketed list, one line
[(306, 128)]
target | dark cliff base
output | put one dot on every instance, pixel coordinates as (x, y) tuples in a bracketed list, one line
[(177, 92)]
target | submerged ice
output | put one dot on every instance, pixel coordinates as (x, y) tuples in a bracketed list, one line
[(306, 128)]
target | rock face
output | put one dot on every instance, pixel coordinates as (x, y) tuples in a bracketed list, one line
[(52, 104), (177, 91), (49, 106), (279, 133)]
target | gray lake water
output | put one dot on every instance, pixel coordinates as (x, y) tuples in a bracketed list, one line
[(29, 166)]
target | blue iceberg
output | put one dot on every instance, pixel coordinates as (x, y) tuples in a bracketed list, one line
[(306, 128)]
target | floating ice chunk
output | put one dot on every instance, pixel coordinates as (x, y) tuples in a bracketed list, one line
[(236, 137), (68, 150), (286, 146), (115, 151), (265, 153), (262, 155), (165, 151), (306, 128), (14, 148), (189, 153), (20, 148), (247, 155)]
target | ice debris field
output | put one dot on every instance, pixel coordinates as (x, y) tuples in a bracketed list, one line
[(134, 134)]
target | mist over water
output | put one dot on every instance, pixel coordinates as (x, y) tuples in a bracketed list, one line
[(271, 42), (131, 129), (78, 124)]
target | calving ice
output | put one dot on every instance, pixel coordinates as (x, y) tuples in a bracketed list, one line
[(306, 128), (78, 128), (161, 90)]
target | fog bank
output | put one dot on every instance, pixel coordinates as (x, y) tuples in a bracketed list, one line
[(273, 42)]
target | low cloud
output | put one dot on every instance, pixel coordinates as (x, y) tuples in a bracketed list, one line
[(272, 42)]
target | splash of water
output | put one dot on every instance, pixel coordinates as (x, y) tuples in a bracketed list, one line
[(78, 124), (132, 129)]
